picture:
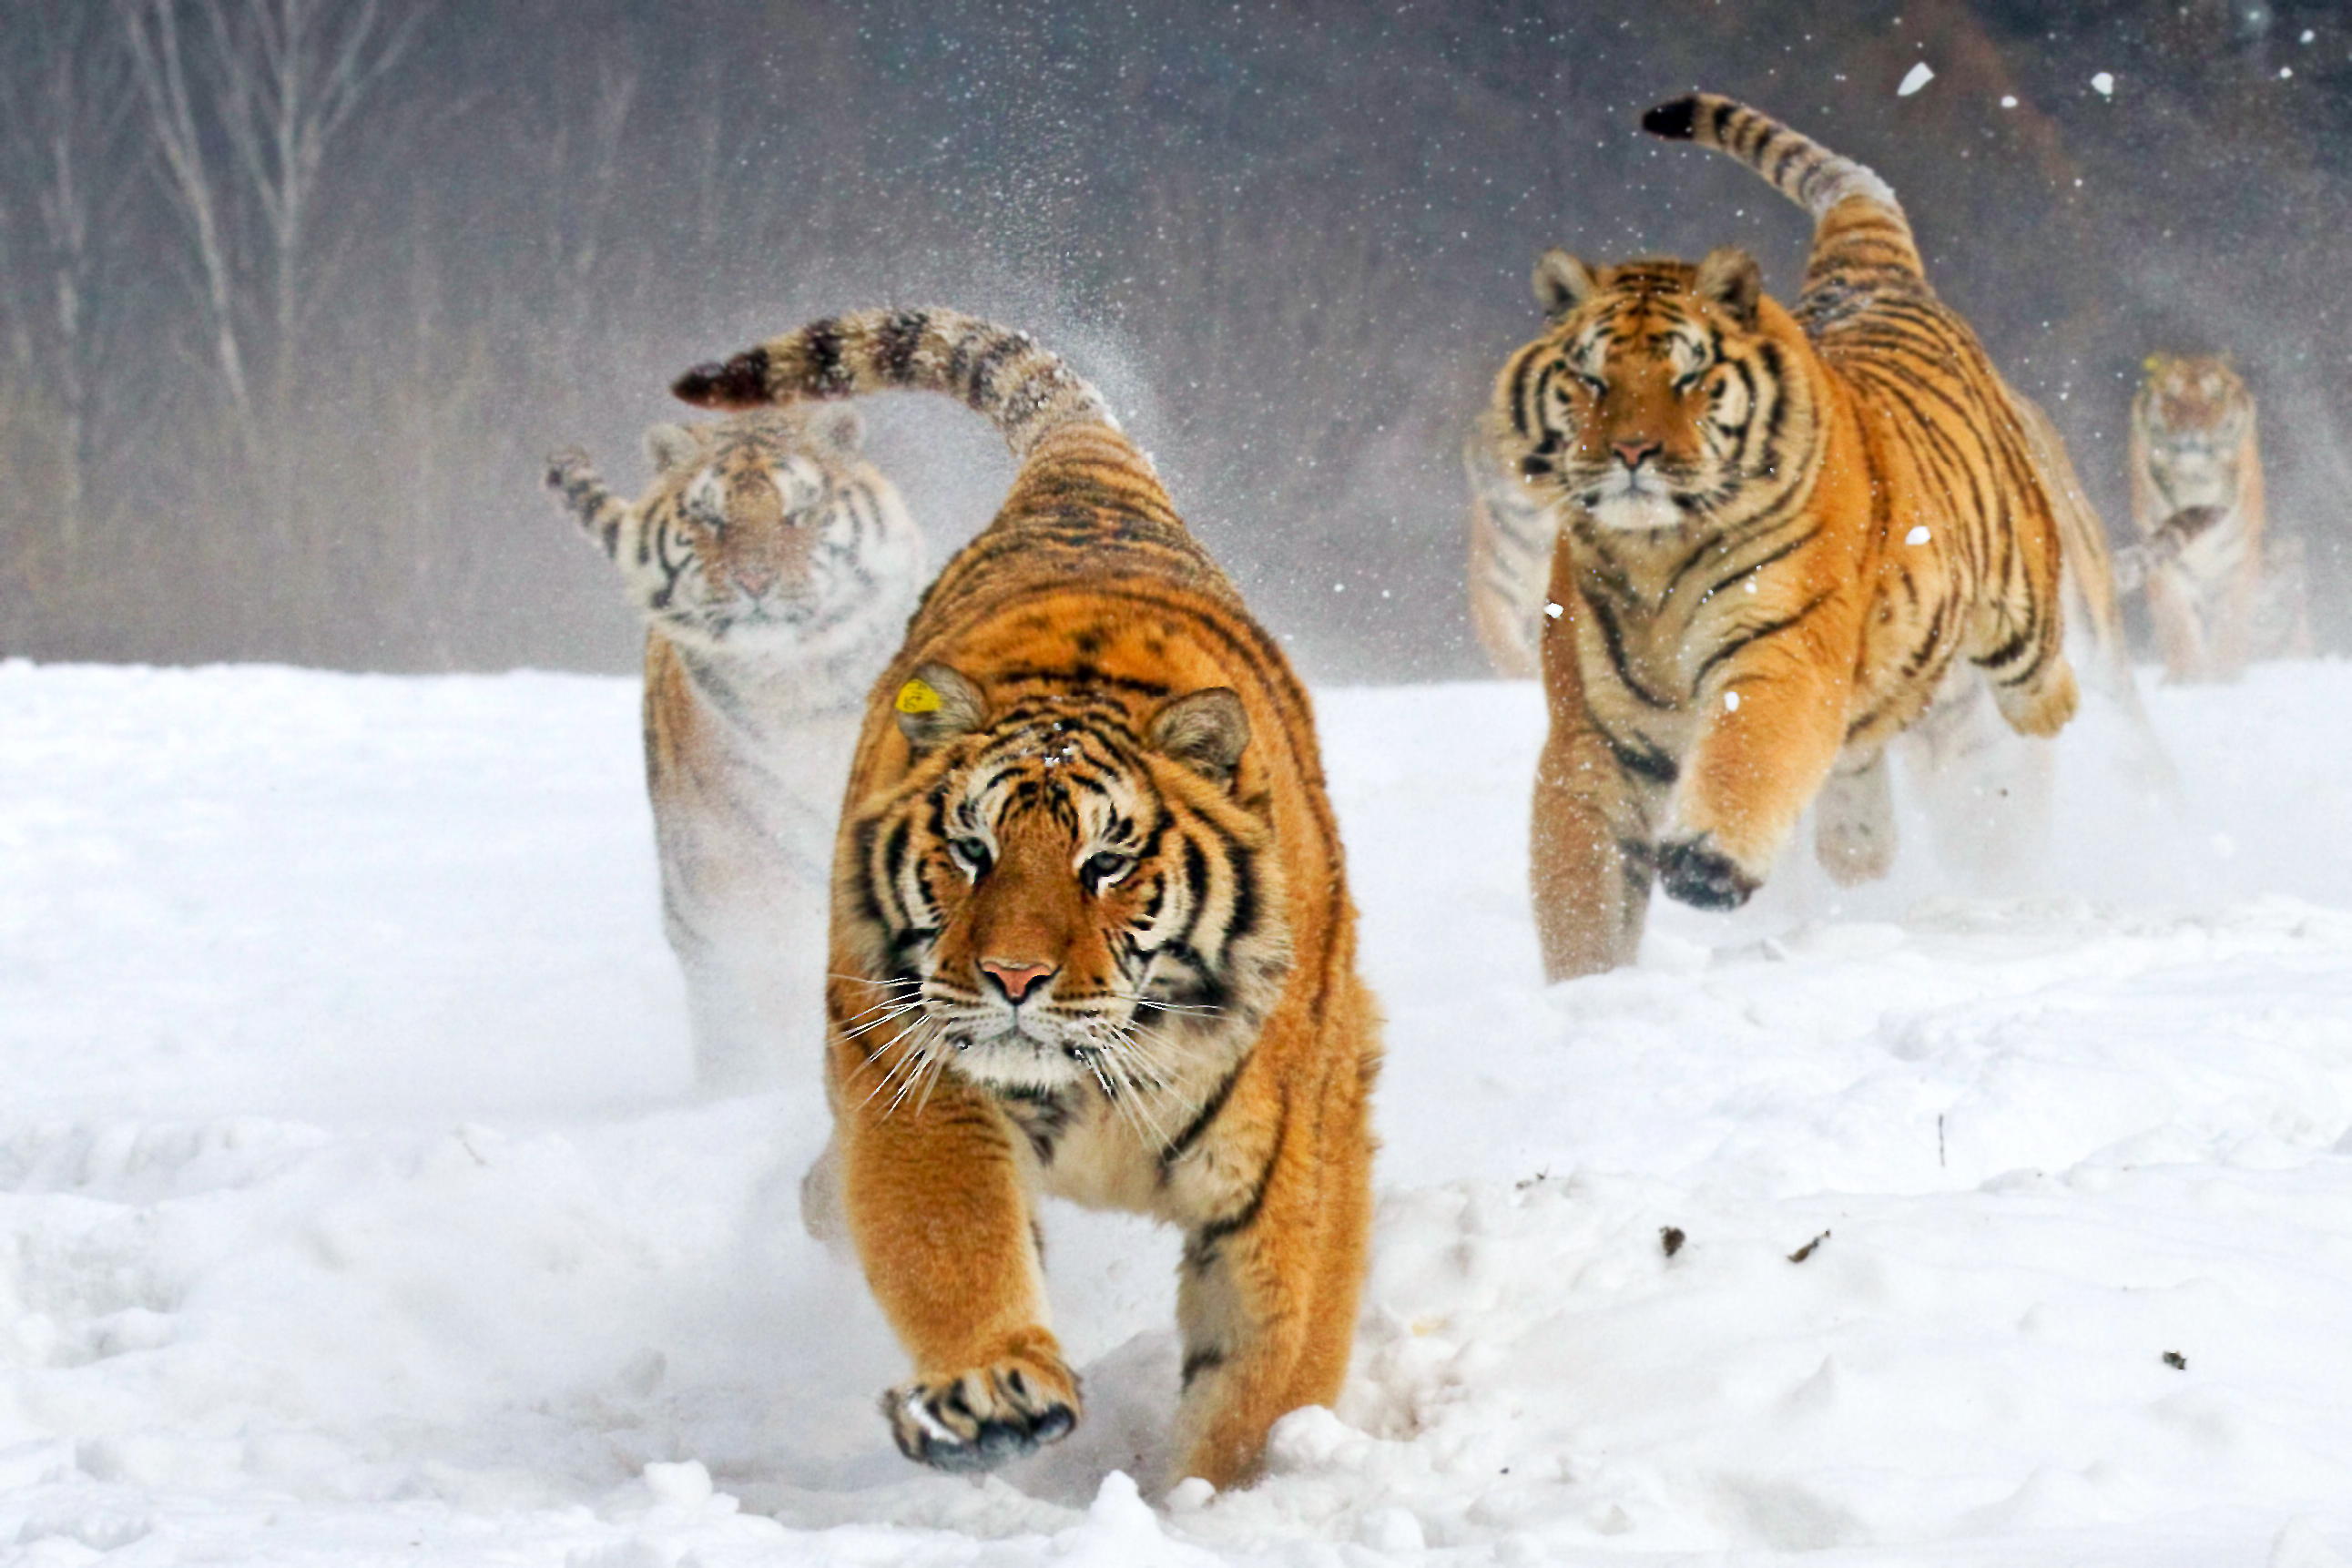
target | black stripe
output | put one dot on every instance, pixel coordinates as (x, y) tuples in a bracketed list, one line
[(1756, 633), (1178, 1145), (895, 344), (979, 396), (827, 376), (1200, 1246), (1642, 760), (1612, 637)]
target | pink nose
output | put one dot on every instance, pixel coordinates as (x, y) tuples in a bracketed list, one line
[(1631, 453), (755, 579), (1016, 978)]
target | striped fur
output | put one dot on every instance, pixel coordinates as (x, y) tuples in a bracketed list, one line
[(1779, 530), (1091, 932), (1512, 527), (774, 569), (2233, 595)]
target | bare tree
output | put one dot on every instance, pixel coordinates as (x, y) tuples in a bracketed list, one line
[(245, 107), (152, 30), (63, 105)]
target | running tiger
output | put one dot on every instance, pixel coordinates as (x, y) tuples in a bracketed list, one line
[(1780, 530), (1987, 790), (774, 568), (1091, 932), (2233, 595)]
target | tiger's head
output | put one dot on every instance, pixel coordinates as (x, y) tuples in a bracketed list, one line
[(2192, 414), (759, 529), (1659, 393), (1064, 892)]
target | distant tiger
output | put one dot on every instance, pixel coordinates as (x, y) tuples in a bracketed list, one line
[(1091, 932), (1778, 532), (1512, 527), (2236, 592), (774, 568)]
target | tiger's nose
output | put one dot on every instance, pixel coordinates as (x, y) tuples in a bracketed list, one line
[(1014, 979), (755, 579), (1631, 453)]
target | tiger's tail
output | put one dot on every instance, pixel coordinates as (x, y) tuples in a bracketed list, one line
[(599, 513), (1805, 171), (1025, 390), (2136, 563)]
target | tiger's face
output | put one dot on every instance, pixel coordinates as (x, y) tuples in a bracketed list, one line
[(2193, 413), (1064, 896), (1651, 399), (760, 529)]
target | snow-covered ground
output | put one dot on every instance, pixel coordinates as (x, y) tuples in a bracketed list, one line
[(355, 1207)]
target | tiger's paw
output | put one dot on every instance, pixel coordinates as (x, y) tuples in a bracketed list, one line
[(986, 1418), (1697, 874)]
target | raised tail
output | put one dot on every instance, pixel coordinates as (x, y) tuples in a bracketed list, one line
[(1025, 390), (1796, 165), (2136, 563), (1856, 242), (599, 512)]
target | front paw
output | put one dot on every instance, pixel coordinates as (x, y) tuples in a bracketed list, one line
[(1695, 872), (989, 1417)]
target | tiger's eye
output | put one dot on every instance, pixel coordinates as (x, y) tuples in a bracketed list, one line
[(1106, 870), (971, 854)]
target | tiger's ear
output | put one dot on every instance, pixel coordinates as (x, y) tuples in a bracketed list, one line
[(671, 447), (1730, 277), (1562, 283), (1206, 731), (839, 427), (936, 705)]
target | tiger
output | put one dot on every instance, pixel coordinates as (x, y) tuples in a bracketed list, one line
[(1987, 791), (1091, 932), (2236, 594), (774, 568), (1779, 530), (1511, 533)]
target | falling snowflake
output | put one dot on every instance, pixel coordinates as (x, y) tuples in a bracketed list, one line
[(1916, 536), (2104, 84), (1553, 611), (1731, 703), (2009, 100), (1914, 79)]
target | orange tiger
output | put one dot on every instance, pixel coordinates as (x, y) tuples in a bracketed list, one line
[(774, 568), (1780, 530), (2235, 594), (1091, 932)]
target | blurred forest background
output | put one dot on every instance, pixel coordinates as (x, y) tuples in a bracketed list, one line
[(294, 294)]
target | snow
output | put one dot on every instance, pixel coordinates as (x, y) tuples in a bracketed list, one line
[(2104, 84), (355, 1205), (1918, 77)]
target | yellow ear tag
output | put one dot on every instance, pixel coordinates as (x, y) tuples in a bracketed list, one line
[(918, 697)]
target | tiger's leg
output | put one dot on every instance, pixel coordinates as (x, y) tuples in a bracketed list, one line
[(1588, 863), (1775, 725), (2173, 607), (1854, 822), (938, 1205), (1267, 1291)]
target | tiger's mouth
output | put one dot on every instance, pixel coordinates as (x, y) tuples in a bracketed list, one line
[(1036, 1050), (1635, 499)]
